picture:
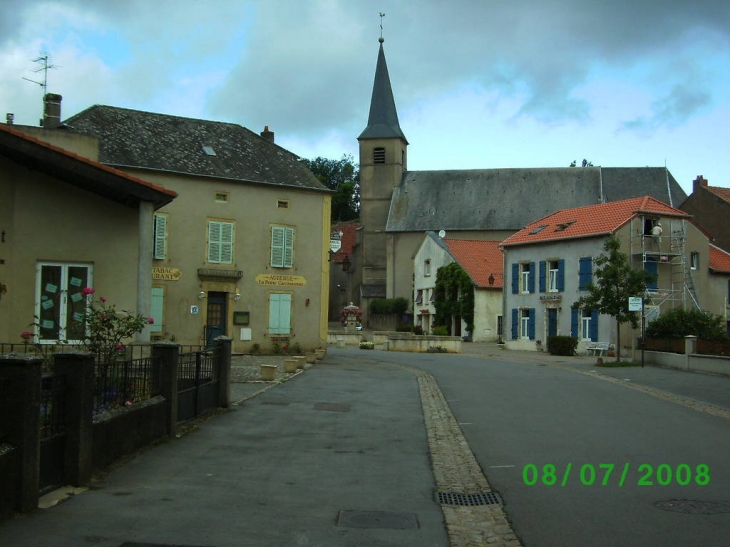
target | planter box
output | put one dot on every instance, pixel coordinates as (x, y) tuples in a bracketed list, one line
[(268, 373), (301, 360), (320, 353), (290, 365), (311, 358)]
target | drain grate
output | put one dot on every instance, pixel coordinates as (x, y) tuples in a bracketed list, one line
[(333, 407), (456, 498), (377, 519), (696, 507)]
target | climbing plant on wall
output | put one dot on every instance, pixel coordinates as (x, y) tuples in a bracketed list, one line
[(454, 295)]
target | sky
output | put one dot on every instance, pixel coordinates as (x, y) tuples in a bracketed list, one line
[(478, 83)]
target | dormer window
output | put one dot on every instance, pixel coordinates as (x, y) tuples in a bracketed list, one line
[(379, 155)]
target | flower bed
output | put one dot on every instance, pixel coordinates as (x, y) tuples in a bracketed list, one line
[(367, 345)]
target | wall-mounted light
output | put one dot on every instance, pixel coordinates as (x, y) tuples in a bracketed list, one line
[(201, 295), (346, 264), (237, 296)]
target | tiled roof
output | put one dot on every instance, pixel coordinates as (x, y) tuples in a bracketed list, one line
[(721, 192), (592, 220), (480, 259), (719, 259), (146, 140), (348, 239), (80, 171)]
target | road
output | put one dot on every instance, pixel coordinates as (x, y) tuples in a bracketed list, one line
[(515, 415)]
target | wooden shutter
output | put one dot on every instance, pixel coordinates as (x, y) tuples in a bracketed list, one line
[(561, 275), (574, 318), (282, 247), (279, 313), (531, 325), (585, 272), (515, 319), (594, 326), (220, 242), (543, 267), (226, 243), (157, 307), (288, 247), (160, 252), (531, 278), (516, 278)]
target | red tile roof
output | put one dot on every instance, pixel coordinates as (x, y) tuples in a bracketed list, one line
[(719, 259), (723, 193), (592, 220), (87, 161), (480, 259)]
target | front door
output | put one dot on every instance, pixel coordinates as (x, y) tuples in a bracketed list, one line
[(217, 313), (552, 320)]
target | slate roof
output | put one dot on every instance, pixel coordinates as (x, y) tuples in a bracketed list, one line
[(79, 171), (719, 260), (509, 199), (160, 142), (383, 117), (590, 221), (480, 259)]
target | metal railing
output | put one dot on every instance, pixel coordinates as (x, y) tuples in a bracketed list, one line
[(123, 383)]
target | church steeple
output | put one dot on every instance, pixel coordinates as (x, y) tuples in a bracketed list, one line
[(383, 118)]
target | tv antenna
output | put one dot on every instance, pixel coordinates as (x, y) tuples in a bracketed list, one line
[(45, 64)]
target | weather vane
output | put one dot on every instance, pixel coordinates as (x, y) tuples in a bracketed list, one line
[(381, 25)]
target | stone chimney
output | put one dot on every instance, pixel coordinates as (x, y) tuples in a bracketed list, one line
[(268, 135), (9, 118), (51, 110), (698, 182)]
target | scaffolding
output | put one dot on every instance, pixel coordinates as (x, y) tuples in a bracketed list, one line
[(664, 255)]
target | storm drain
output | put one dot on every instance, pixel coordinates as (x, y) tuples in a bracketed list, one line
[(333, 407), (696, 507), (377, 519), (456, 498)]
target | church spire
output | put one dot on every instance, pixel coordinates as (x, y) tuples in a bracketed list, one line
[(383, 118)]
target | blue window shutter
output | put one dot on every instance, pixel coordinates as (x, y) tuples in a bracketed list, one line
[(514, 323), (594, 326), (652, 268), (574, 315), (531, 327), (561, 275), (585, 272), (515, 278), (531, 278), (543, 267)]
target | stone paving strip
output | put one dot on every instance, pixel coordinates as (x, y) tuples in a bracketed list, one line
[(456, 470)]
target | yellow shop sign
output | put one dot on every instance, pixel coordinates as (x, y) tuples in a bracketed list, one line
[(167, 274), (278, 280)]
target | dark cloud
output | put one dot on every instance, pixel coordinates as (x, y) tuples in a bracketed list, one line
[(672, 110)]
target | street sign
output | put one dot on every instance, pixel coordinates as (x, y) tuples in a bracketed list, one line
[(635, 303)]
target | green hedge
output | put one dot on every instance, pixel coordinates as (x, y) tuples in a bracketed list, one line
[(561, 345), (389, 305)]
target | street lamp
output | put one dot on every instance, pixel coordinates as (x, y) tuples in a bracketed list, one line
[(346, 264)]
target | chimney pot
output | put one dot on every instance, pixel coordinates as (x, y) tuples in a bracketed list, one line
[(10, 118), (268, 135), (700, 181), (52, 110)]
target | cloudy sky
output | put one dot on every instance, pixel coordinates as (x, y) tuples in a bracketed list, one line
[(477, 83)]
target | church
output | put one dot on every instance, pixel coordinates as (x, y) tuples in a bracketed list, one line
[(398, 205)]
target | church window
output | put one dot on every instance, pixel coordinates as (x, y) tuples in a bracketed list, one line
[(379, 155)]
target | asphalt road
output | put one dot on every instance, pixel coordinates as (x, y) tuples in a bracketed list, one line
[(519, 414)]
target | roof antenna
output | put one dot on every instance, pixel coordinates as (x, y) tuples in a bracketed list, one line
[(381, 39), (44, 61)]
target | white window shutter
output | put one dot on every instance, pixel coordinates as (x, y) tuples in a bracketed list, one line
[(277, 247), (279, 313), (288, 247), (226, 243), (157, 306), (160, 252), (214, 242)]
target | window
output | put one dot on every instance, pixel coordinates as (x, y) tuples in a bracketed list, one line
[(282, 247), (652, 267), (523, 323), (279, 313), (523, 277), (585, 272), (282, 203), (694, 260), (221, 197), (160, 238), (552, 273), (220, 242), (419, 296), (379, 155), (538, 229), (60, 304), (553, 276), (157, 308), (584, 324), (427, 267)]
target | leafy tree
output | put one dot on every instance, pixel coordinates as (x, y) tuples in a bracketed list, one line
[(678, 323), (342, 176), (584, 163), (615, 282), (389, 305), (454, 296)]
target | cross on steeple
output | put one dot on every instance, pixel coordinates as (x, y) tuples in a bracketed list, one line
[(381, 40)]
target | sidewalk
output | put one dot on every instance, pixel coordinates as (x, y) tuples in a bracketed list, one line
[(282, 468)]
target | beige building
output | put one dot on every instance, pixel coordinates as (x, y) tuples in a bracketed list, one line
[(66, 223), (243, 251)]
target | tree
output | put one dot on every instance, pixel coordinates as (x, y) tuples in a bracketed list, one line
[(615, 282), (454, 296), (342, 176), (585, 163)]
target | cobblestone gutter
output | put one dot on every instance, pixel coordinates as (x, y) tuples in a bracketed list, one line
[(455, 469)]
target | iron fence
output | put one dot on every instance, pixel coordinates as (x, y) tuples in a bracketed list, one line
[(53, 401), (122, 383)]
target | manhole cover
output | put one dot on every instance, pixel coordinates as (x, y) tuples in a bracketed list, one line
[(697, 507), (377, 519), (456, 498), (333, 407)]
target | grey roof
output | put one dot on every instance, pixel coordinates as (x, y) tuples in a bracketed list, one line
[(509, 199), (383, 118), (159, 142)]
